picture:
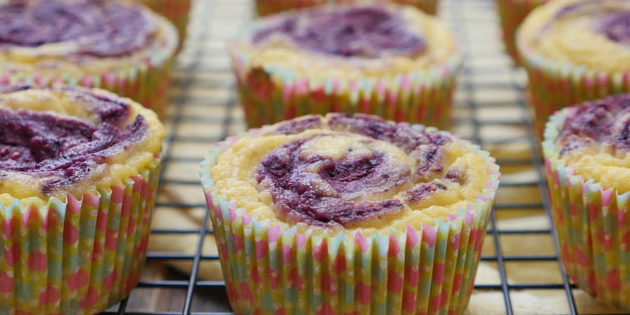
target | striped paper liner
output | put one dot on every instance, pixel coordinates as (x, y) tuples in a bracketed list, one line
[(554, 85), (146, 82), (269, 94), (278, 270), (176, 11), (511, 15), (592, 224), (78, 256)]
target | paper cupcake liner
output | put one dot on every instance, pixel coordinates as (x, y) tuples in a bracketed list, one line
[(272, 94), (278, 270), (78, 256), (146, 83), (554, 85), (592, 225), (511, 15), (267, 7), (176, 11)]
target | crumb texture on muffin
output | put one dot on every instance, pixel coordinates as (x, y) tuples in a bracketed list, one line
[(350, 172), (595, 140), (59, 141), (591, 33), (350, 41)]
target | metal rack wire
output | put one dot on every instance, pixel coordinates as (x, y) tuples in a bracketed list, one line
[(203, 67)]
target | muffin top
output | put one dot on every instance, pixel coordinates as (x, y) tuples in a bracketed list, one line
[(77, 36), (59, 141), (349, 172), (591, 33), (350, 41), (595, 141), (368, 32)]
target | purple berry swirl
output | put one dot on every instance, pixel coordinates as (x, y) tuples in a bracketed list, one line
[(354, 168), (368, 32), (62, 149), (598, 124), (92, 28), (611, 18), (616, 26)]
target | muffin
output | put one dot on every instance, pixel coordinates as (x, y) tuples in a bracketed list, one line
[(78, 175), (389, 60), (116, 45), (587, 158), (574, 51), (266, 7), (511, 15), (343, 214), (176, 11)]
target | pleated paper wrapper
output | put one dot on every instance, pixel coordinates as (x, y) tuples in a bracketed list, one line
[(553, 85), (278, 270), (146, 82), (593, 226), (269, 94), (511, 15), (176, 11), (79, 256)]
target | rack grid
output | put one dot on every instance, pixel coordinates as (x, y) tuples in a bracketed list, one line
[(204, 110)]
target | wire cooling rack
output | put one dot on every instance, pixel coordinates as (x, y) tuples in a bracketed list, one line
[(204, 110)]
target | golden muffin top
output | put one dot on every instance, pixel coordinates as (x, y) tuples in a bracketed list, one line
[(349, 41), (73, 38), (590, 33), (59, 141), (350, 172), (595, 141)]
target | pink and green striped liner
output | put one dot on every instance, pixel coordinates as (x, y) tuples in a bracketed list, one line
[(554, 85), (272, 93), (78, 256), (176, 11), (511, 15), (146, 82), (274, 269), (592, 225)]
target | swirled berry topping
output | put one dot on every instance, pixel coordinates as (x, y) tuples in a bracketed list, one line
[(424, 147), (616, 26), (605, 123), (369, 32), (296, 126), (613, 22), (64, 149), (353, 171), (96, 28)]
